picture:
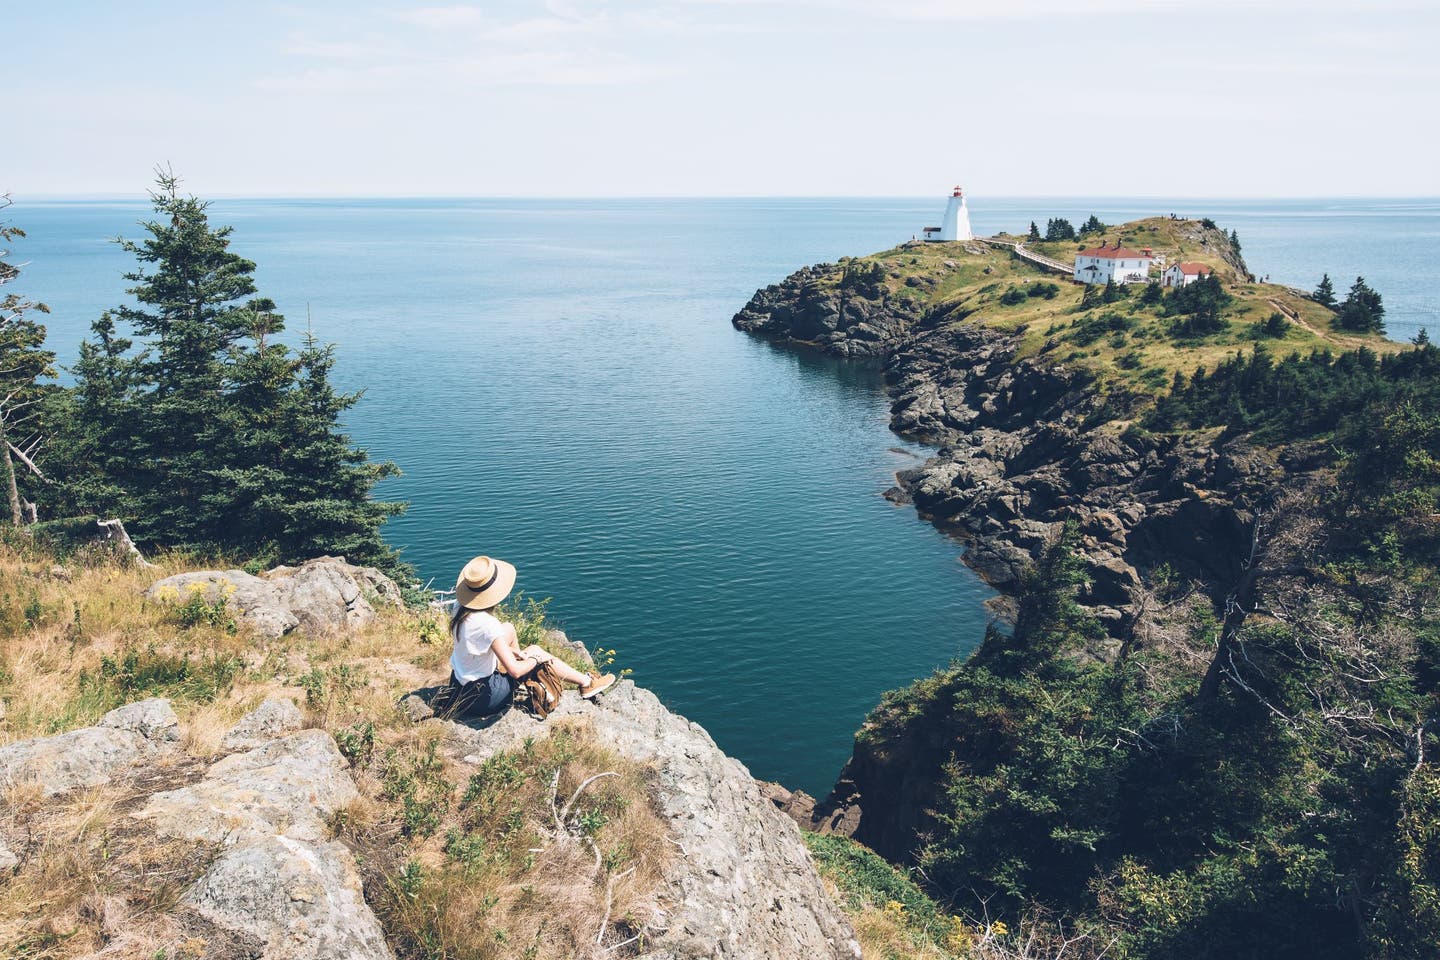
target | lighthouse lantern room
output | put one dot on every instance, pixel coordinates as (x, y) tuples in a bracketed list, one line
[(956, 225)]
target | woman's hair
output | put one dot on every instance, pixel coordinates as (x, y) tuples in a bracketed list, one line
[(458, 617)]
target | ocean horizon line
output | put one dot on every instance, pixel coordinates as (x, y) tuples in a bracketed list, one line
[(601, 198)]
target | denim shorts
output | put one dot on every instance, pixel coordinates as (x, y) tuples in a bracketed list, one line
[(478, 698)]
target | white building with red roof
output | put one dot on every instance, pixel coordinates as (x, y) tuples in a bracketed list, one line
[(1104, 263), (1183, 274)]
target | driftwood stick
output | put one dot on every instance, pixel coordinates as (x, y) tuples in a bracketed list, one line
[(565, 814), (610, 903)]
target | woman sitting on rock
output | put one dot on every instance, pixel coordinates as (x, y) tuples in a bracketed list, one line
[(487, 662)]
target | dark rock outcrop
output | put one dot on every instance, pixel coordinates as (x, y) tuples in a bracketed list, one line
[(1026, 445), (821, 305)]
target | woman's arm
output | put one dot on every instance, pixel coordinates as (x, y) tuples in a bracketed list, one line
[(507, 652)]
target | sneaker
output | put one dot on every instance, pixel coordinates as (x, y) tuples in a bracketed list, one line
[(597, 685)]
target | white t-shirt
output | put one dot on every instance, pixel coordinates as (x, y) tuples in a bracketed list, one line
[(474, 655)]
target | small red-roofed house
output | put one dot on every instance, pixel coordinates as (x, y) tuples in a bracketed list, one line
[(1105, 263), (1183, 274)]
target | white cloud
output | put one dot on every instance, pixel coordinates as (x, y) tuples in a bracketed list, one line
[(368, 49), (431, 47), (444, 18)]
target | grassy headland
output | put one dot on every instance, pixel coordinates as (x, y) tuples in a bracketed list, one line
[(1133, 342)]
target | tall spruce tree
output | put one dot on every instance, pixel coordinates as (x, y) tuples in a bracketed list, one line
[(1325, 292), (215, 436), (1058, 228), (24, 365), (1362, 309), (1034, 232), (93, 463)]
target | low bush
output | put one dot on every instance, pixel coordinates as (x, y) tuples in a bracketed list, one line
[(136, 673), (549, 851)]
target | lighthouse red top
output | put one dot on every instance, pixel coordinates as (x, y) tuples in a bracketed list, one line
[(958, 192)]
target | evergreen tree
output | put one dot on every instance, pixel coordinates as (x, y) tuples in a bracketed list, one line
[(93, 465), (1034, 231), (324, 504), (215, 436), (1276, 325), (24, 364), (1059, 228), (1153, 293), (1362, 310), (1200, 305), (1093, 225), (1421, 339), (1112, 292), (1234, 241), (1325, 293)]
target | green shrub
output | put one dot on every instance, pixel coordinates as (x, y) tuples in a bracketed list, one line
[(419, 783), (1091, 328), (135, 673), (330, 687), (357, 742), (197, 611), (867, 880)]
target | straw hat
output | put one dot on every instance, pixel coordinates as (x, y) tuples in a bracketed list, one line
[(483, 583)]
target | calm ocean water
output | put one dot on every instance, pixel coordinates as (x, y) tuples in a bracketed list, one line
[(561, 385)]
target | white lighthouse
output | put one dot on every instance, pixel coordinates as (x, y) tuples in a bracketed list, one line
[(956, 225)]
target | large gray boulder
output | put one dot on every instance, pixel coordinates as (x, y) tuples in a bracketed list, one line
[(91, 756), (152, 719), (280, 879), (288, 787), (322, 594), (328, 593), (301, 899), (743, 884), (253, 601), (274, 717)]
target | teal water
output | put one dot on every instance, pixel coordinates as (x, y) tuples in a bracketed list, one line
[(561, 385)]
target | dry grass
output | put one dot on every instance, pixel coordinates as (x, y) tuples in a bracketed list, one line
[(481, 869), (90, 877), (509, 866)]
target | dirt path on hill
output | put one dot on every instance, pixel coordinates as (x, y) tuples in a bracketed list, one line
[(1293, 316)]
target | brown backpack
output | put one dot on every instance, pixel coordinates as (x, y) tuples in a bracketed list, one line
[(539, 692)]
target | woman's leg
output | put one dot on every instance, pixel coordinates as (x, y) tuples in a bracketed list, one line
[(562, 669)]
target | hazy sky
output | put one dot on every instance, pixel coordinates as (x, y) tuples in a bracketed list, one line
[(727, 97)]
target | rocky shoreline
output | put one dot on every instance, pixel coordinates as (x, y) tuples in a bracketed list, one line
[(1027, 445), (1024, 446)]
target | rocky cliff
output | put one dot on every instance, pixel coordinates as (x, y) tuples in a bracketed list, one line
[(1026, 443), (284, 802), (1029, 393)]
